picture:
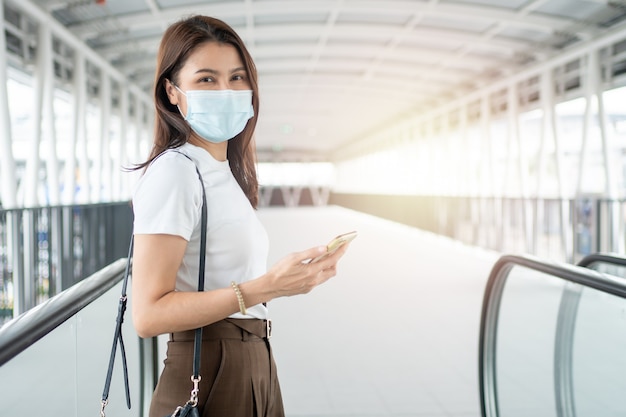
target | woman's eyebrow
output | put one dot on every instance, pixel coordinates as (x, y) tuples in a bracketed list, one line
[(216, 72), (209, 70)]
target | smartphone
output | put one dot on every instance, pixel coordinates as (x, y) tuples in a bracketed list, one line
[(335, 244)]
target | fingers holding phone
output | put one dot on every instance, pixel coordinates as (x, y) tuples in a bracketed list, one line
[(300, 272), (325, 265)]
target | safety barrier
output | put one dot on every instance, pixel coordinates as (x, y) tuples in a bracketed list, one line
[(44, 250), (550, 338)]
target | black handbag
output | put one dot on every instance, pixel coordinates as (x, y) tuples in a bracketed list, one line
[(187, 410), (190, 408)]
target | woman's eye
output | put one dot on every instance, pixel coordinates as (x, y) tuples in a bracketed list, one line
[(238, 77), (206, 80)]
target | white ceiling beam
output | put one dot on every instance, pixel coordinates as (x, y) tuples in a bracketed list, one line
[(430, 81), (611, 36), (273, 58), (531, 6), (338, 83), (510, 18), (425, 79), (356, 32), (250, 29), (154, 7), (144, 70), (63, 34), (324, 35), (386, 53)]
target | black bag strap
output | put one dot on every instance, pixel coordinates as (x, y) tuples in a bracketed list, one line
[(198, 336), (117, 337)]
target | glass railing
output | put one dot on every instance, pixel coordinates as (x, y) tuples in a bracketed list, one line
[(45, 250), (552, 340), (551, 228), (54, 358)]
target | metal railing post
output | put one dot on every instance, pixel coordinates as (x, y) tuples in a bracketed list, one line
[(14, 219)]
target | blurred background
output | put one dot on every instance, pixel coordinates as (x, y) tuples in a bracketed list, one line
[(447, 132)]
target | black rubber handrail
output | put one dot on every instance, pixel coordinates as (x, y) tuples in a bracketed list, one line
[(605, 258), (491, 305), (24, 330)]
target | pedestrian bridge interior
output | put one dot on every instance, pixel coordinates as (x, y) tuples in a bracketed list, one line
[(477, 146)]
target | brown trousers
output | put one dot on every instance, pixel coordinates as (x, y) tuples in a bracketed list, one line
[(237, 369)]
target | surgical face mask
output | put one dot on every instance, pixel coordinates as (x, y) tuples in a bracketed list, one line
[(218, 115)]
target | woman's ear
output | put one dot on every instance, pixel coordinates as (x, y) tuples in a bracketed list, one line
[(170, 90)]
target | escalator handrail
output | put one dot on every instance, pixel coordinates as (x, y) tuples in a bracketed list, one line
[(491, 305), (606, 258), (24, 330)]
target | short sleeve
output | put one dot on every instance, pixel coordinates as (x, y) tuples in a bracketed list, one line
[(168, 197)]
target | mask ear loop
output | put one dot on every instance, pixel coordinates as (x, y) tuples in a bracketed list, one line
[(183, 93), (181, 112)]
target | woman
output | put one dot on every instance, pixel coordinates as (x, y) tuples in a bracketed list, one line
[(202, 66)]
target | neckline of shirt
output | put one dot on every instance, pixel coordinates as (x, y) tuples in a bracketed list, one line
[(204, 158)]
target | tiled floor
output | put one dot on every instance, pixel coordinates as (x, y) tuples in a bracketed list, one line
[(394, 334)]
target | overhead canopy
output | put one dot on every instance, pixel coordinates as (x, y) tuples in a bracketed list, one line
[(332, 71)]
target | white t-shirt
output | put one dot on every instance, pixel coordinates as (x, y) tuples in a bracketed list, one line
[(168, 200)]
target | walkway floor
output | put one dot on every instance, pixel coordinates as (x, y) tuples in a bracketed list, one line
[(394, 334)]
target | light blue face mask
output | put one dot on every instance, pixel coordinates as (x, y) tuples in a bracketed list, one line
[(218, 115)]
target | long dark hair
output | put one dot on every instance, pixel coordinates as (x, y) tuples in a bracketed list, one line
[(171, 130)]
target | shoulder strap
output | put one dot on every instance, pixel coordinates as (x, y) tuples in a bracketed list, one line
[(203, 228), (117, 337)]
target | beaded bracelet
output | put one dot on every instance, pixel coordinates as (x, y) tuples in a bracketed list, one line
[(242, 305)]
